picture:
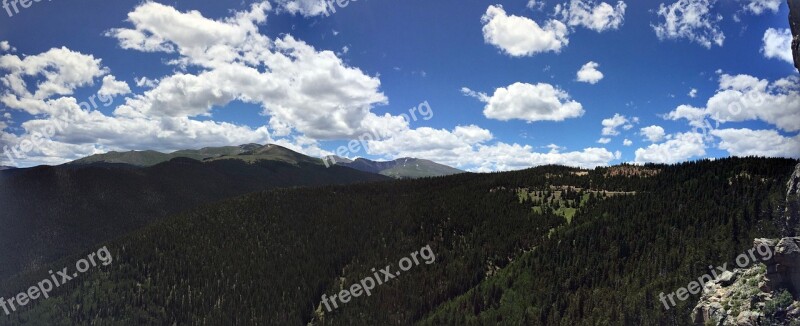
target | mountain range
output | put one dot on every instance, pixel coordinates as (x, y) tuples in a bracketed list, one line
[(48, 212), (400, 168)]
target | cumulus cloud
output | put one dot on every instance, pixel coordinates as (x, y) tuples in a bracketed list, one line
[(627, 142), (312, 92), (610, 125), (777, 44), (112, 87), (520, 36), (747, 142), (692, 20), (680, 148), (528, 102), (60, 71), (604, 140), (466, 147), (588, 13), (693, 93), (589, 73), (653, 134), (743, 98)]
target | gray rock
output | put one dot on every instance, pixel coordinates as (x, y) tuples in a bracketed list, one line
[(727, 278), (748, 318), (793, 200)]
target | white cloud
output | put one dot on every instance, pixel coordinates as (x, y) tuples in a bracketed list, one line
[(6, 47), (535, 4), (743, 98), (680, 148), (62, 71), (598, 17), (146, 82), (653, 134), (478, 95), (610, 125), (312, 92), (472, 134), (112, 87), (769, 143), (693, 93), (540, 102), (627, 142), (604, 140), (758, 7), (692, 20), (589, 73), (307, 8), (520, 36), (466, 148), (777, 44)]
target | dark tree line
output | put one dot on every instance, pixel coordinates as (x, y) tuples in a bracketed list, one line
[(266, 258)]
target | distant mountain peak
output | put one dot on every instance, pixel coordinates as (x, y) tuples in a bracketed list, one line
[(406, 167), (248, 152)]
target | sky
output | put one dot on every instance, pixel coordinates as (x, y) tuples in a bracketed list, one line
[(478, 85)]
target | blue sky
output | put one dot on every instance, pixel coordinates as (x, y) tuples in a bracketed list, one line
[(501, 79)]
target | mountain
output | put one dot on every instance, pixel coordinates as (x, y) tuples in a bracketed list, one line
[(49, 212), (150, 158), (545, 246), (401, 168), (6, 167), (269, 153)]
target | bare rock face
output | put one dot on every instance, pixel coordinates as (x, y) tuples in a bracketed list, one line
[(794, 23), (793, 201), (783, 270), (791, 225)]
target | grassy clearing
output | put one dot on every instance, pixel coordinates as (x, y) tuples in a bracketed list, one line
[(563, 201)]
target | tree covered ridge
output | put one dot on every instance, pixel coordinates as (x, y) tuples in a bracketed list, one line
[(266, 258)]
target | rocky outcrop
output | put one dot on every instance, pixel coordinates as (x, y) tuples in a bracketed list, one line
[(783, 270), (793, 202), (722, 303), (756, 295), (794, 22)]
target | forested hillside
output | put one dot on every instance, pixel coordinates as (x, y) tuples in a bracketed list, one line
[(48, 212), (501, 257)]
